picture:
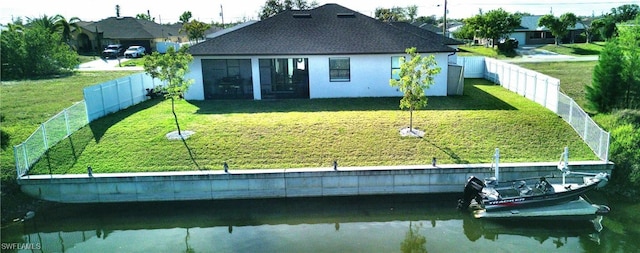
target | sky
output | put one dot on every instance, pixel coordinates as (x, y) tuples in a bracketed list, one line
[(240, 10)]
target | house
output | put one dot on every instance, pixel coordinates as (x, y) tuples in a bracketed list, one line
[(529, 33), (128, 31), (326, 52)]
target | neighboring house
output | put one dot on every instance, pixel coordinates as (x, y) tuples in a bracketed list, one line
[(529, 33), (228, 30), (128, 31), (326, 52)]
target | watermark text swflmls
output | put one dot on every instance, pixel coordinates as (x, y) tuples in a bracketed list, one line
[(16, 245)]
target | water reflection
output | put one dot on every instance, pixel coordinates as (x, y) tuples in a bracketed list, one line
[(412, 223)]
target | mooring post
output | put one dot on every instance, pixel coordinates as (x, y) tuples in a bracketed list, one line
[(496, 158)]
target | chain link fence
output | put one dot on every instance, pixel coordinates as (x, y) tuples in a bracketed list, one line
[(545, 90), (49, 134), (99, 100)]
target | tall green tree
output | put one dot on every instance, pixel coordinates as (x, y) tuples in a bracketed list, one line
[(629, 42), (604, 91), (34, 51), (195, 29), (416, 75), (494, 24), (391, 15), (145, 16), (185, 17), (559, 27), (171, 69), (625, 12), (412, 12), (616, 78), (273, 7)]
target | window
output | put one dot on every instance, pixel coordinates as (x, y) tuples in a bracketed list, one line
[(395, 67), (339, 70)]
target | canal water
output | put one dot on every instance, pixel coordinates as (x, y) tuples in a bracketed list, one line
[(399, 223)]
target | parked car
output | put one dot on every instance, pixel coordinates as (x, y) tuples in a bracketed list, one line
[(510, 42), (134, 52), (113, 51)]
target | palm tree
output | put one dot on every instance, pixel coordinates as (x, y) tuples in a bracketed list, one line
[(46, 22), (67, 28), (57, 24)]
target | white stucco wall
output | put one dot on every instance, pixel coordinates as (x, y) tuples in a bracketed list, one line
[(370, 76)]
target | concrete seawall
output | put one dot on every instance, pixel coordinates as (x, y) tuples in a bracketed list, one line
[(280, 183)]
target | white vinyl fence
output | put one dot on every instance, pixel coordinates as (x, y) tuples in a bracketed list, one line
[(544, 90), (99, 100), (115, 95)]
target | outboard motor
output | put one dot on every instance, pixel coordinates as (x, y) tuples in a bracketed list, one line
[(472, 190), (604, 179)]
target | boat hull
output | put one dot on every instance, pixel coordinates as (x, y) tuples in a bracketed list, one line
[(541, 200)]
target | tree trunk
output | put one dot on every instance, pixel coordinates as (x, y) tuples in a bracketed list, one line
[(175, 116), (411, 119)]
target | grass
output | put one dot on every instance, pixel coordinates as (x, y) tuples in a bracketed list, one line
[(485, 51), (312, 133), (139, 62), (576, 49), (573, 77), (28, 103)]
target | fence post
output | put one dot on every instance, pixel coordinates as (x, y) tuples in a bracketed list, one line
[(26, 158), (570, 112), (586, 129), (66, 121), (44, 136), (15, 156), (606, 150)]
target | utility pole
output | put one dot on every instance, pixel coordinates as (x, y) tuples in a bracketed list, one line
[(444, 20), (222, 16)]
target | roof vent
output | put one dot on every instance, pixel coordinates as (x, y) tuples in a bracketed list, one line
[(302, 15), (346, 15)]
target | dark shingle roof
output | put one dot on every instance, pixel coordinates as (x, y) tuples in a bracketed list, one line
[(328, 29), (425, 33), (131, 28)]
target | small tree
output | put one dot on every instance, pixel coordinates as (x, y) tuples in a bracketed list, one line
[(494, 24), (195, 29), (171, 68), (559, 27), (416, 75)]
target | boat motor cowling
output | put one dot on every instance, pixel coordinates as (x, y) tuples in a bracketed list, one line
[(472, 190)]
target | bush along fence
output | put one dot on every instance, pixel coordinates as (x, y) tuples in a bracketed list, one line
[(99, 100), (544, 90)]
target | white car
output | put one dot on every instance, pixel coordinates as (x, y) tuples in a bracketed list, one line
[(134, 52)]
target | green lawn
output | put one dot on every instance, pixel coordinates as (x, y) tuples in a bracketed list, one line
[(573, 76), (484, 51), (309, 133), (26, 104), (576, 49)]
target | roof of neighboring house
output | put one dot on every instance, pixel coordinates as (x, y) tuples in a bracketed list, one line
[(426, 26), (228, 30), (422, 32), (328, 29), (530, 23), (131, 28)]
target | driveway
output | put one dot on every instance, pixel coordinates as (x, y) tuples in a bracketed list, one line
[(107, 65), (534, 54)]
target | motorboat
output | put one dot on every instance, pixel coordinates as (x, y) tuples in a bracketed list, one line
[(520, 198)]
